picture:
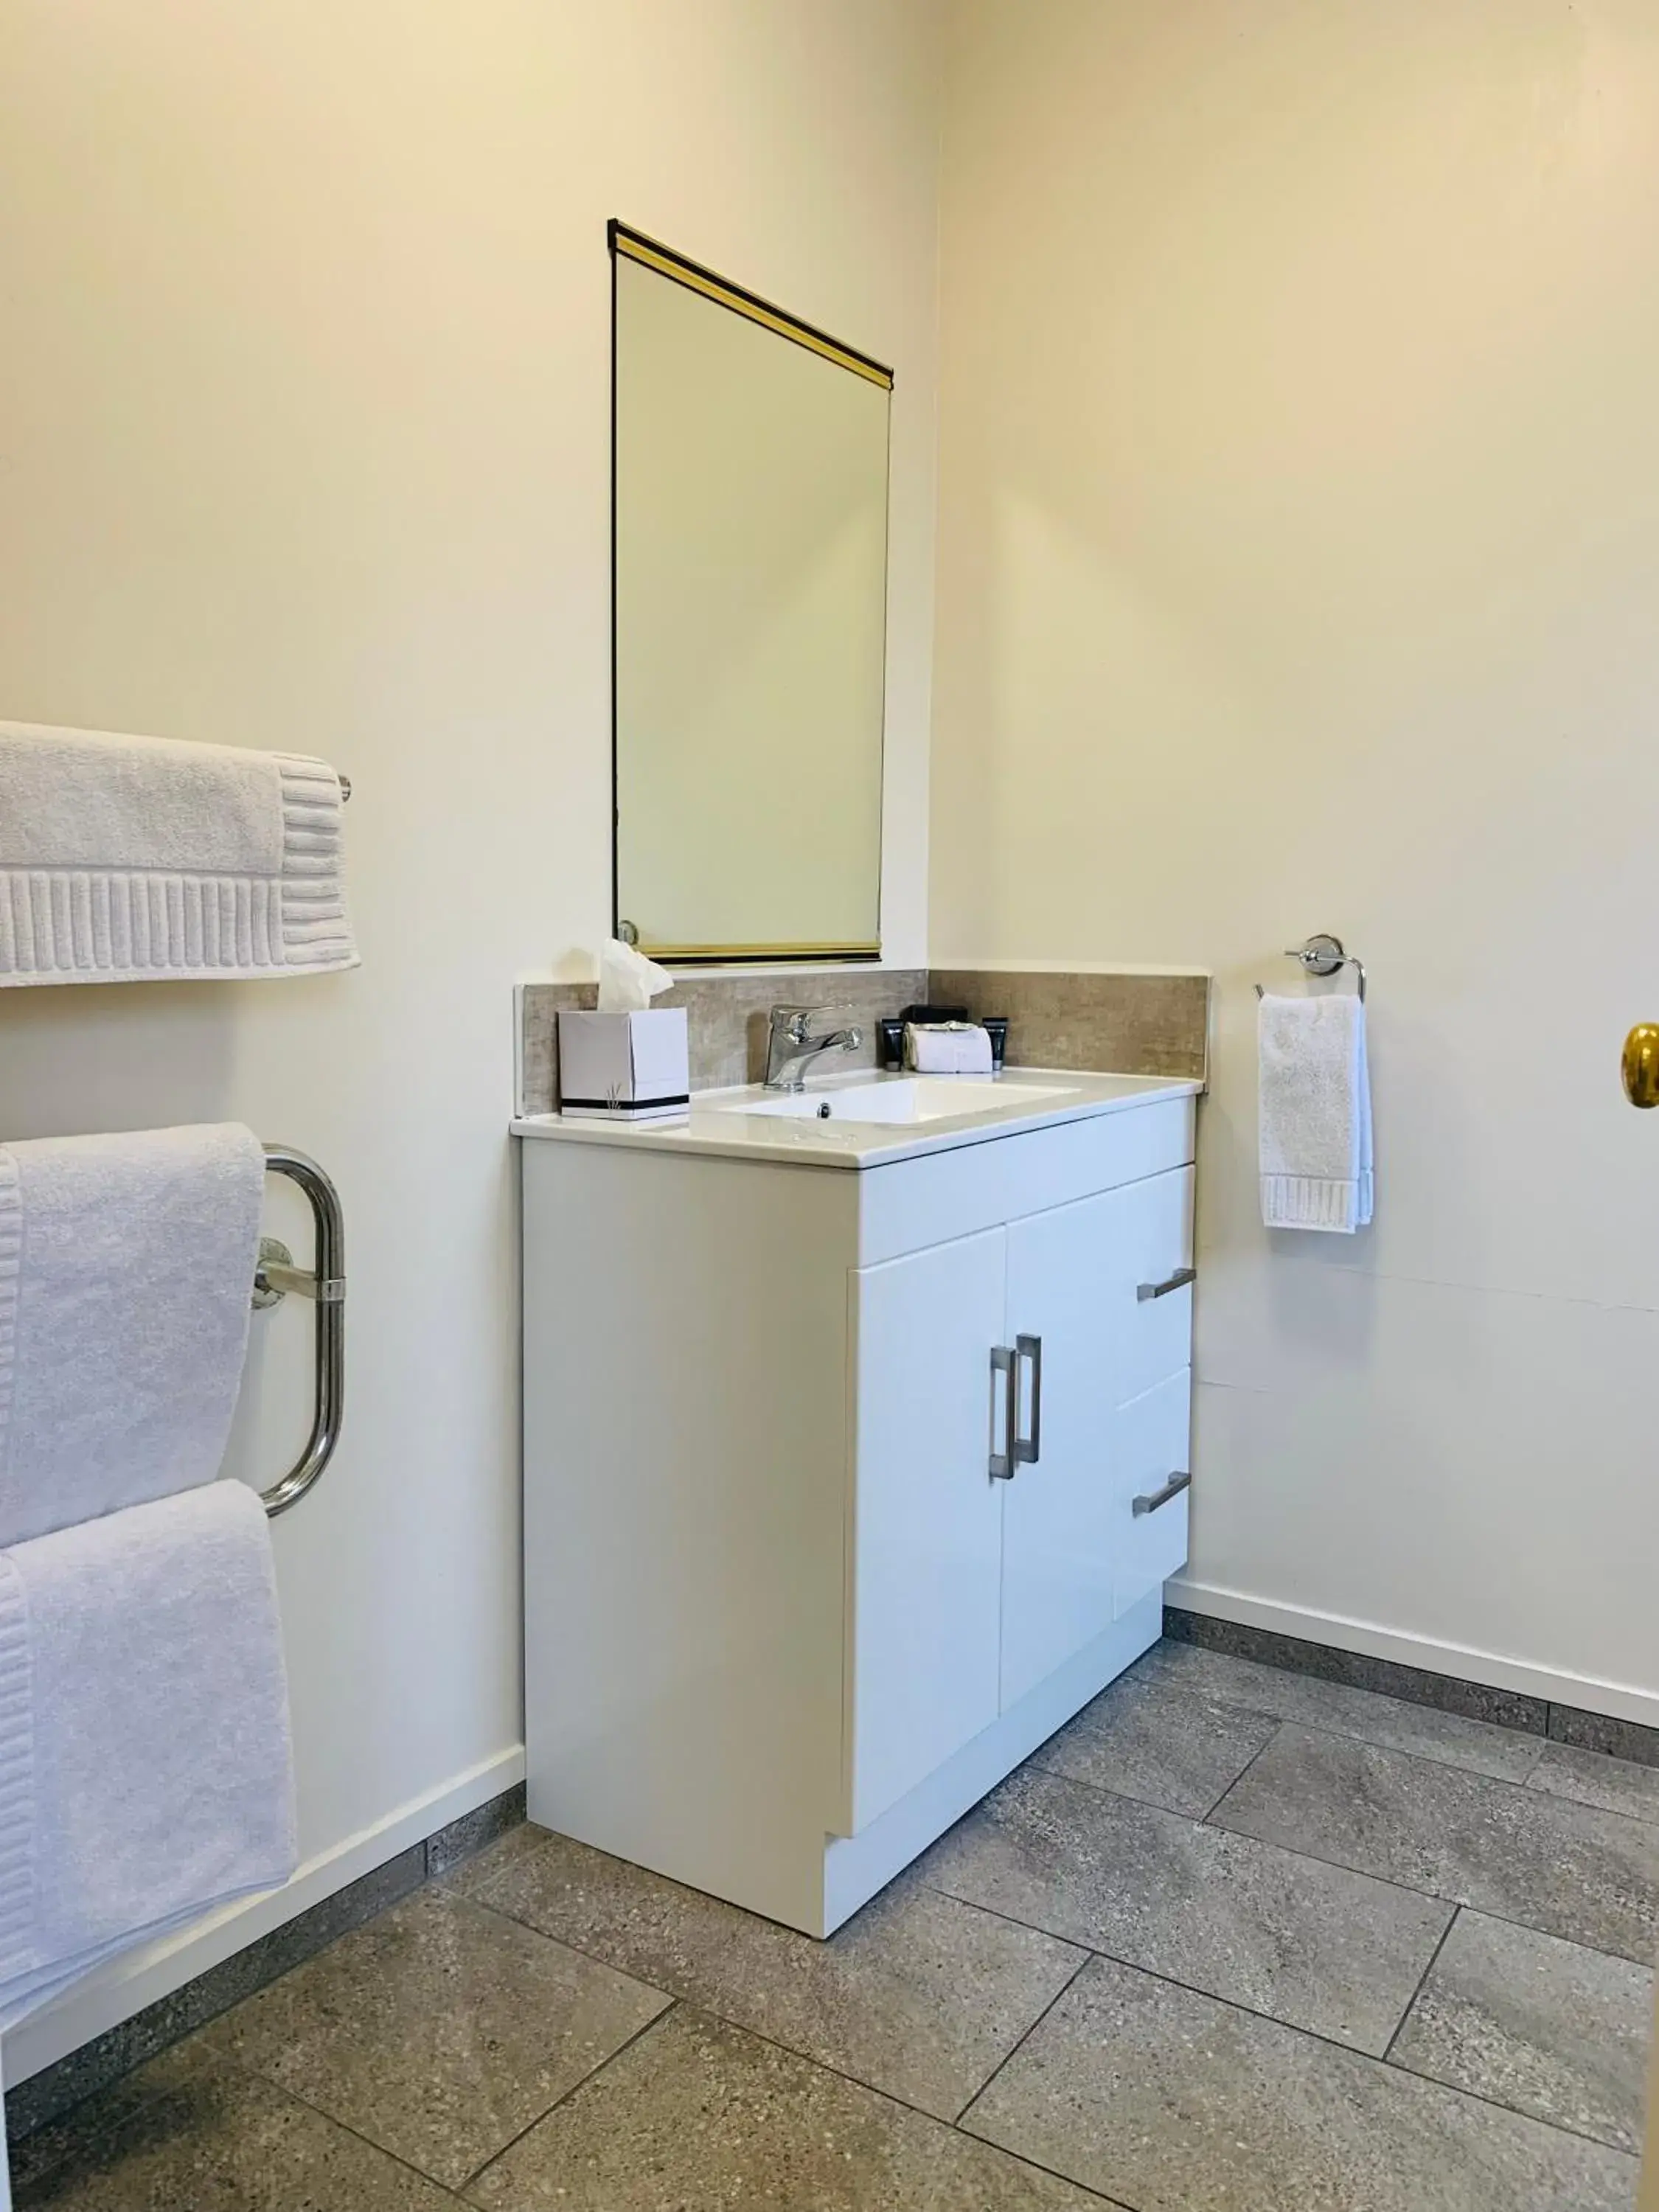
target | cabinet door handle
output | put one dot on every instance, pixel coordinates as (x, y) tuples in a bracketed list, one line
[(1028, 1449), (1178, 1282), (1001, 1463), (1151, 1500)]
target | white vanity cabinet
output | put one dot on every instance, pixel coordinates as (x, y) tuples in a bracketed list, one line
[(844, 1485)]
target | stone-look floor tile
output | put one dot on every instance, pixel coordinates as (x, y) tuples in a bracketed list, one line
[(918, 1994), (186, 2134), (699, 2116), (1314, 1945), (1572, 1870), (1343, 1711), (439, 2030), (1171, 2102), (1593, 1778), (464, 1838), (1542, 2025), (1151, 1739)]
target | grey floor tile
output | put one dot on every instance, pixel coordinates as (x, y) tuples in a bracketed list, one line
[(1593, 1778), (186, 2134), (1571, 1870), (1545, 2027), (1153, 1739), (919, 1994), (1344, 1710), (1314, 1945), (699, 2116), (439, 2030), (1171, 2102)]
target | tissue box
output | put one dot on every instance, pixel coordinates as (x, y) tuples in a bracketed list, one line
[(625, 1067)]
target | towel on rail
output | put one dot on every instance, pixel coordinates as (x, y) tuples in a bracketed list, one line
[(146, 1773), (126, 858), (1315, 1127), (126, 1267)]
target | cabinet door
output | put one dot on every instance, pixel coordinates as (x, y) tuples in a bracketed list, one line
[(1152, 1451), (1059, 1517), (926, 1521)]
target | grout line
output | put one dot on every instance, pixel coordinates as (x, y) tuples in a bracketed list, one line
[(1021, 2040), (564, 2097), (1204, 1818), (308, 2104), (1422, 1984)]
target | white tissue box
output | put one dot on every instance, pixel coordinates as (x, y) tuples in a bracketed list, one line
[(627, 1067)]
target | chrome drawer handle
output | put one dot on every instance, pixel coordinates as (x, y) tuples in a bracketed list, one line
[(1001, 1466), (1178, 1282), (1152, 1499), (1028, 1449)]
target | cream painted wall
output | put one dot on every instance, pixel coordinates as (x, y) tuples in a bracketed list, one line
[(304, 424), (1299, 569)]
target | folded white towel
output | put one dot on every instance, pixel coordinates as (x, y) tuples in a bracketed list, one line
[(123, 858), (947, 1049), (1315, 1113), (146, 1773), (126, 1267)]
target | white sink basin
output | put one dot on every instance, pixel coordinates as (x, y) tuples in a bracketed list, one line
[(901, 1098)]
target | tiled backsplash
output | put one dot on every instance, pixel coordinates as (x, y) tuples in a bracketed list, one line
[(1125, 1024)]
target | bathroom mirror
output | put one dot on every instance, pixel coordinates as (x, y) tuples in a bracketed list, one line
[(750, 589)]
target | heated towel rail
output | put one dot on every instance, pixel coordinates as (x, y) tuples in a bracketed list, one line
[(325, 1284)]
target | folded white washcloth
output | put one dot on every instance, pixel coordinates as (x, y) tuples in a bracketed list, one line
[(124, 858), (126, 1267), (947, 1049), (146, 1773), (1315, 1113)]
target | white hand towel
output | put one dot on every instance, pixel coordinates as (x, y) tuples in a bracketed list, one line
[(146, 1773), (947, 1049), (1315, 1113), (124, 858), (126, 1267)]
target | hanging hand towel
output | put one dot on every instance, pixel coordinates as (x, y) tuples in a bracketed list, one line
[(127, 858), (146, 1774), (1315, 1113), (126, 1267)]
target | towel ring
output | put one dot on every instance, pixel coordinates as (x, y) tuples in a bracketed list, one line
[(1325, 954), (275, 1277)]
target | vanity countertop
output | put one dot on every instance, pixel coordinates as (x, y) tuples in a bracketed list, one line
[(754, 1124)]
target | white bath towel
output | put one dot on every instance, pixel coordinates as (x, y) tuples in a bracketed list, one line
[(127, 858), (1315, 1113), (146, 1774), (126, 1267)]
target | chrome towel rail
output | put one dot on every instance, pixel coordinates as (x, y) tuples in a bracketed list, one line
[(275, 1276)]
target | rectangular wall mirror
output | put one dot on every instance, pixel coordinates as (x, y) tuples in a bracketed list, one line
[(750, 593)]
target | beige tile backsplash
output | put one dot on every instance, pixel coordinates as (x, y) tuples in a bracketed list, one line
[(1127, 1025)]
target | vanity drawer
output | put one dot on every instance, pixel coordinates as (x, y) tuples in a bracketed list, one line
[(1151, 1463), (911, 1204), (1152, 1233)]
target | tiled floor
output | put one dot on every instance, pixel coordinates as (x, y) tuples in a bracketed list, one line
[(1235, 1940)]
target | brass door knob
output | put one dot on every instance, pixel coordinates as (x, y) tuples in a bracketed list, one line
[(1640, 1066)]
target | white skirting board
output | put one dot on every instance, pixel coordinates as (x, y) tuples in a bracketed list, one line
[(126, 1985), (1585, 1692)]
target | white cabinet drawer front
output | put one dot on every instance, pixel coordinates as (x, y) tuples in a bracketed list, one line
[(1152, 1450), (925, 1542), (1152, 1233), (912, 1204)]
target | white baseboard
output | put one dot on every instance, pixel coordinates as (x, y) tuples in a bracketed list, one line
[(1617, 1700), (127, 1985)]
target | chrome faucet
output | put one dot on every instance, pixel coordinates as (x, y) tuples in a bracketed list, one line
[(790, 1044)]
